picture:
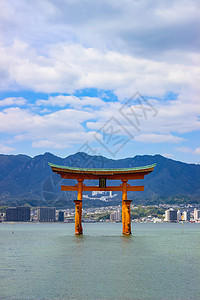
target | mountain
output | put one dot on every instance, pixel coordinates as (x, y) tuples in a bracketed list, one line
[(26, 180)]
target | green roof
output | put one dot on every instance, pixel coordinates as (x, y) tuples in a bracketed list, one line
[(100, 169)]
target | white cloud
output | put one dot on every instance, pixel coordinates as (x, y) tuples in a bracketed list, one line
[(178, 116), (168, 155), (197, 151), (64, 127), (69, 67), (145, 27), (47, 144), (5, 149), (72, 101), (63, 46), (162, 118), (58, 130), (13, 101), (158, 138), (66, 45), (184, 149)]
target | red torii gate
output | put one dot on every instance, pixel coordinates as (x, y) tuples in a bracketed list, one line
[(81, 174)]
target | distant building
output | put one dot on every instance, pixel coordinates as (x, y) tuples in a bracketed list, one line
[(115, 216), (196, 214), (46, 214), (179, 215), (61, 216), (186, 216), (171, 215), (18, 214)]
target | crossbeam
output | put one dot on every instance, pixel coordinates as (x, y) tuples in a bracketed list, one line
[(108, 188)]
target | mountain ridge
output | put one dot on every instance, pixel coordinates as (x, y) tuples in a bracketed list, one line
[(26, 180)]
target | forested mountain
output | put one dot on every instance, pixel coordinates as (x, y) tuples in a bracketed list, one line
[(26, 180)]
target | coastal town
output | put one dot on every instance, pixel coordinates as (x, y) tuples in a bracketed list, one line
[(143, 214)]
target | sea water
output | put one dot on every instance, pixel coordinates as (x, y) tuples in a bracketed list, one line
[(46, 261)]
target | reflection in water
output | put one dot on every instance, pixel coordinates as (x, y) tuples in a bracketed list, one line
[(79, 239), (126, 244), (126, 238)]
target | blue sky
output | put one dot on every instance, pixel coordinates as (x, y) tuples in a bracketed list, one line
[(115, 78)]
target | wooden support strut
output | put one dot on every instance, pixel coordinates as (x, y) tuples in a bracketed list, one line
[(78, 209), (124, 197), (126, 212), (108, 188), (127, 216)]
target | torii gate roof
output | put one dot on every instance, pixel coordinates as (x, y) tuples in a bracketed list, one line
[(87, 173)]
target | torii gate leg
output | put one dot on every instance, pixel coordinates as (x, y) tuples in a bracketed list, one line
[(78, 209), (126, 212), (127, 209)]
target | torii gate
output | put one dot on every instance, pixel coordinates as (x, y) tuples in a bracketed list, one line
[(124, 174)]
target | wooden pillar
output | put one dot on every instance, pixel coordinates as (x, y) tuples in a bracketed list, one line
[(78, 226), (127, 217), (124, 197), (78, 209)]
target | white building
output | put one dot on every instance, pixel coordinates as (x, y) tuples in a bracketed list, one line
[(186, 216), (115, 216), (196, 214), (178, 215)]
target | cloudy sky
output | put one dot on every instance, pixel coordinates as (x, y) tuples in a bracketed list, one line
[(117, 78)]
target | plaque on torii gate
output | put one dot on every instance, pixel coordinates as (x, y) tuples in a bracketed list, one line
[(123, 174)]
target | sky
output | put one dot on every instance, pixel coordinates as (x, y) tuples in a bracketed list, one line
[(111, 78)]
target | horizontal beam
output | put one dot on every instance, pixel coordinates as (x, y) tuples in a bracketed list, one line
[(108, 188), (108, 177), (139, 188)]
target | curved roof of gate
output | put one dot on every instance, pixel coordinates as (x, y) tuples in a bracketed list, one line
[(98, 171)]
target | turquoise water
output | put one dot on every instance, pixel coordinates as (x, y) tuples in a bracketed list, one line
[(46, 261)]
